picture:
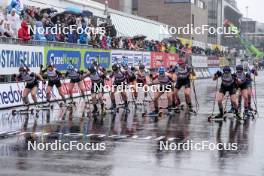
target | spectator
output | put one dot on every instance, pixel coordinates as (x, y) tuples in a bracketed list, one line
[(23, 33), (2, 20), (39, 29), (109, 41), (15, 4), (104, 42), (83, 35), (14, 21), (72, 37)]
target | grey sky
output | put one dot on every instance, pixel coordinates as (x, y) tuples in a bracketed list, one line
[(255, 10)]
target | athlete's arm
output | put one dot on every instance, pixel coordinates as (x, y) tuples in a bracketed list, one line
[(217, 75)]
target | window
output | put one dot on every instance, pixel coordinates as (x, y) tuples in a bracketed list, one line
[(193, 20), (176, 1)]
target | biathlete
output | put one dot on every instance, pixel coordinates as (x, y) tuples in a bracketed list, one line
[(97, 76), (228, 85), (53, 76), (119, 83), (251, 73), (183, 78), (76, 77), (142, 78), (31, 86), (164, 81), (242, 84), (130, 79)]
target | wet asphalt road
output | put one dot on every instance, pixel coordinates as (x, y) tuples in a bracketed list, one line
[(132, 143)]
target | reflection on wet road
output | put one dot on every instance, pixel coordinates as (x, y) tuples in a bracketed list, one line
[(132, 142)]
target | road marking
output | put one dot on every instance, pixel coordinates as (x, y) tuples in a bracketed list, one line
[(147, 138), (171, 139), (159, 138), (74, 134)]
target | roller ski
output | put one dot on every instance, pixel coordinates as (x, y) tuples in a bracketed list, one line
[(25, 111), (112, 109), (253, 111), (46, 106), (219, 117), (191, 111), (248, 115), (178, 109), (123, 106), (154, 115)]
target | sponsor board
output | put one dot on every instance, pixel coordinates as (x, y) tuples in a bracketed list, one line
[(199, 61), (163, 59), (13, 56), (133, 58), (80, 58), (103, 57), (11, 93), (213, 61)]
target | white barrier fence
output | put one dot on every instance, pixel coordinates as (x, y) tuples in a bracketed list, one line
[(11, 93)]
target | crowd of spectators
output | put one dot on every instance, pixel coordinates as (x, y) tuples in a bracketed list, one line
[(15, 19)]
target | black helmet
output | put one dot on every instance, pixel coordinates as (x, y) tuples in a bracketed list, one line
[(141, 67), (95, 62), (92, 69), (50, 65), (239, 68), (114, 67), (227, 69), (22, 69)]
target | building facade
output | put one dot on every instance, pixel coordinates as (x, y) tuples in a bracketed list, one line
[(120, 5), (218, 12), (253, 31), (176, 13)]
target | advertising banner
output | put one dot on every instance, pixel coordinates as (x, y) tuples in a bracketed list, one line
[(61, 58), (11, 93), (133, 58), (199, 61), (12, 57), (163, 59), (172, 59), (101, 56), (80, 58), (213, 61), (158, 60)]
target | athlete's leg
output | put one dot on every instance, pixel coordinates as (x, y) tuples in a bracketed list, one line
[(34, 94), (26, 91), (82, 88)]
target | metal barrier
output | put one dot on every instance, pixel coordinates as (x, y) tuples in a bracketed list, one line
[(16, 41)]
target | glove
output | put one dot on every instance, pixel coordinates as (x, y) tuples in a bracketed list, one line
[(41, 66), (44, 82), (133, 69)]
